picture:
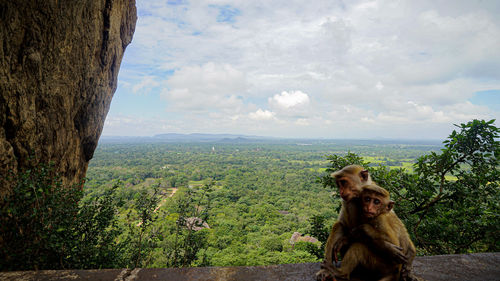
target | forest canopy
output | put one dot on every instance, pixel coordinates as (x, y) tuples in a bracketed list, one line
[(240, 203)]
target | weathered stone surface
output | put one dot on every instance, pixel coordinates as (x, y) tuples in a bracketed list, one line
[(59, 62), (480, 266), (472, 267)]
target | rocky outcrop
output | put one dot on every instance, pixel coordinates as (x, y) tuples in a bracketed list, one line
[(297, 237), (59, 63), (196, 224)]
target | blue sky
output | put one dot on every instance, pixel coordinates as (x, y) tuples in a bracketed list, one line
[(322, 69)]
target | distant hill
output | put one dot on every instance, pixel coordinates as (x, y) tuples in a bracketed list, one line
[(186, 138), (234, 138), (205, 137)]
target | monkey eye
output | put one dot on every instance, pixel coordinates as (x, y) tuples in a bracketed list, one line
[(366, 199), (342, 182), (376, 201)]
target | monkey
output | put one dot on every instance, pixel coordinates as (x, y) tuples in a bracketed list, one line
[(372, 198), (379, 225), (349, 180)]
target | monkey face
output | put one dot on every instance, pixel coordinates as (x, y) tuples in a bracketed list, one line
[(373, 205), (349, 181), (347, 188)]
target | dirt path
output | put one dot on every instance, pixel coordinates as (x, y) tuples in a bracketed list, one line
[(174, 190)]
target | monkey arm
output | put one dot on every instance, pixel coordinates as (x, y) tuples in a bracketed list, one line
[(407, 269), (379, 242), (334, 241), (327, 269)]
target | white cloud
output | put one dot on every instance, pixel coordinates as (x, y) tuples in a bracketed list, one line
[(133, 125), (145, 85), (205, 88), (383, 63), (262, 115), (422, 114), (289, 100), (302, 122)]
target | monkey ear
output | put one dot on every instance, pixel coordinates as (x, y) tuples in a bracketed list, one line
[(390, 205), (364, 175)]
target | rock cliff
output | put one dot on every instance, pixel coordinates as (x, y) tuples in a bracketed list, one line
[(59, 62)]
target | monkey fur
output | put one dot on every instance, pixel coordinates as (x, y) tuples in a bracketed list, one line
[(350, 181), (381, 242)]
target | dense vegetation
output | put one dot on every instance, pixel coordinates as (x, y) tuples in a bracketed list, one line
[(239, 203)]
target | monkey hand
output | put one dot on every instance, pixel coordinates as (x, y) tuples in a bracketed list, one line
[(326, 273), (337, 246), (407, 274), (396, 252), (322, 275)]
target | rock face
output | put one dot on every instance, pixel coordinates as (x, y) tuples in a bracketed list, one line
[(59, 62)]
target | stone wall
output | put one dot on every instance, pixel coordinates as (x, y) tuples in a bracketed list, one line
[(471, 267), (59, 62)]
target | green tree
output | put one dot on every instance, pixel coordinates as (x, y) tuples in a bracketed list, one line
[(96, 232), (45, 225), (320, 232), (450, 204), (193, 209), (141, 235), (459, 203)]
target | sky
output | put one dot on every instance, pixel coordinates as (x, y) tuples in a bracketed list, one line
[(309, 69)]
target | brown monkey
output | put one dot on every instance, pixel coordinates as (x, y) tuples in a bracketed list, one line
[(379, 225), (349, 180)]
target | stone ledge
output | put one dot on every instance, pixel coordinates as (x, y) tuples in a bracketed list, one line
[(478, 267)]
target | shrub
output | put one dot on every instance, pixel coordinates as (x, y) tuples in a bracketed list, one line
[(45, 225)]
